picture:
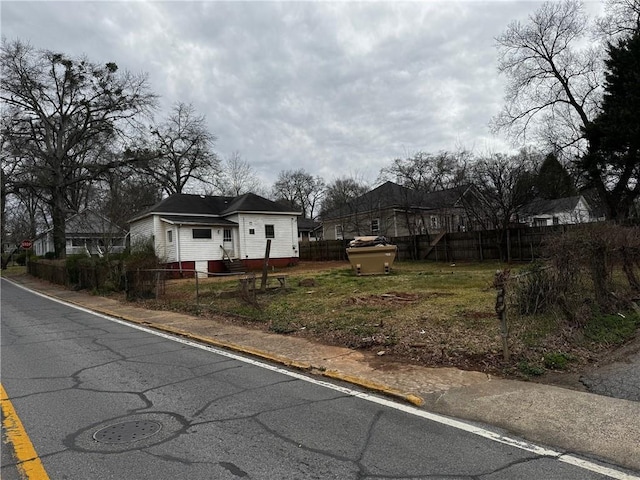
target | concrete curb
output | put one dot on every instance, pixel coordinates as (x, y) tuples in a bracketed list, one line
[(374, 386), (264, 355)]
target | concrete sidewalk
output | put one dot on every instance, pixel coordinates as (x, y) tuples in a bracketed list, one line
[(601, 427)]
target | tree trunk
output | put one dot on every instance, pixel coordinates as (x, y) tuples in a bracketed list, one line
[(58, 216), (628, 268)]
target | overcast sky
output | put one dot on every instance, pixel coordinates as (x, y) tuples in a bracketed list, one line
[(335, 88)]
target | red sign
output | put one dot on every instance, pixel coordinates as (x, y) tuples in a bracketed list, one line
[(26, 244)]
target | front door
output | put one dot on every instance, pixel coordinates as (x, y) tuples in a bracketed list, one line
[(227, 242)]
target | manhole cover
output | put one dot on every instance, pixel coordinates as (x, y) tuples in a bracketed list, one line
[(127, 432)]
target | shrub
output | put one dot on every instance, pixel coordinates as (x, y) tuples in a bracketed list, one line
[(537, 289), (21, 259), (529, 369), (556, 361)]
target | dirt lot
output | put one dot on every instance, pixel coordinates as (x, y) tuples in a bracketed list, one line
[(430, 314)]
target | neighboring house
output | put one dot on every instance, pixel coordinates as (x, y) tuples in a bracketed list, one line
[(87, 233), (392, 210), (308, 230), (209, 234), (560, 211)]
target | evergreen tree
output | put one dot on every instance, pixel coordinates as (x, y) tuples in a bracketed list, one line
[(612, 164), (553, 181)]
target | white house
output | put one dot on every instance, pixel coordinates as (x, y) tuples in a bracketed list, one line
[(87, 233), (209, 233), (560, 211)]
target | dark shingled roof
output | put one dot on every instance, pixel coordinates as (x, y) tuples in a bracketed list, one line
[(197, 220), (391, 195), (541, 206), (211, 206), (250, 202)]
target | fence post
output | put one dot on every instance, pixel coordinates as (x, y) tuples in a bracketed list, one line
[(197, 290), (500, 283)]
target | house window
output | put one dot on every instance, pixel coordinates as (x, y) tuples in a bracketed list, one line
[(434, 222), (339, 235), (269, 231), (170, 236), (556, 221), (252, 231), (201, 232), (375, 225), (226, 235)]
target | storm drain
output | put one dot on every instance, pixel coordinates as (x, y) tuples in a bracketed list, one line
[(127, 432)]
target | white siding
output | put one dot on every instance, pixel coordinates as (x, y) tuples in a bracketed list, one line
[(253, 246), (199, 249), (246, 246), (141, 230)]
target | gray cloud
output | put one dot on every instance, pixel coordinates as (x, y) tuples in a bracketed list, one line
[(333, 88)]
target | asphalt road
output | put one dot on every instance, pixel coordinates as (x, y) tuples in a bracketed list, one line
[(102, 400)]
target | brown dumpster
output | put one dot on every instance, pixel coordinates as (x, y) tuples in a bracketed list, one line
[(371, 255)]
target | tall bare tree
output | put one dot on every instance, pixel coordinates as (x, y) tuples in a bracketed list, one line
[(553, 77), (237, 177), (504, 184), (180, 150), (62, 112), (622, 19), (341, 192), (427, 172), (301, 189)]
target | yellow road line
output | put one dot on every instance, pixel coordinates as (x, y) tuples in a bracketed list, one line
[(29, 463)]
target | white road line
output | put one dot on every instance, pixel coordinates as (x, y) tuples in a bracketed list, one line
[(458, 424)]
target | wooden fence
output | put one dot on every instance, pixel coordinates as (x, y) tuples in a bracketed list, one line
[(518, 244)]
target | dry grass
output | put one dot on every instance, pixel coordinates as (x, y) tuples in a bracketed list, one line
[(429, 313)]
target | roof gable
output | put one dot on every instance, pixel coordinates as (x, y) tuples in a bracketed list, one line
[(250, 202), (541, 206), (87, 222), (391, 195), (213, 206)]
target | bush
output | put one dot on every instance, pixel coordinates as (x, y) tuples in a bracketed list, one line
[(529, 369), (556, 361), (21, 259), (72, 264), (537, 289)]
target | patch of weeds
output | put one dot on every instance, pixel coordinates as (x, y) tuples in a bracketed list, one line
[(534, 329), (611, 329), (530, 369), (282, 327), (556, 360)]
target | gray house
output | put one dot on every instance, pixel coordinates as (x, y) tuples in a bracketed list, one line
[(392, 210), (87, 233)]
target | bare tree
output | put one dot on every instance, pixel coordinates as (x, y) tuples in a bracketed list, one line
[(237, 177), (553, 77), (426, 172), (61, 113), (341, 192), (504, 184), (622, 19), (301, 189), (180, 150)]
